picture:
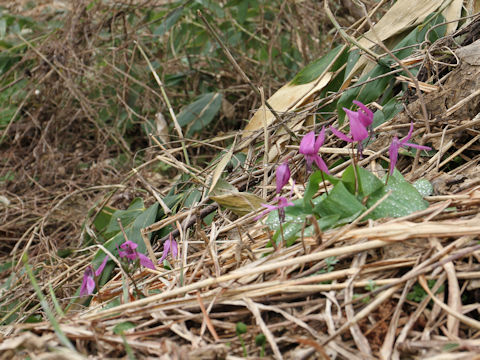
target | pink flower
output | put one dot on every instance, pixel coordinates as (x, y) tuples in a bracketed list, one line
[(132, 254), (360, 121), (397, 144), (309, 147), (88, 283), (169, 246), (282, 176), (282, 203)]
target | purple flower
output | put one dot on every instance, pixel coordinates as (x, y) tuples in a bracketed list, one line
[(360, 121), (365, 115), (88, 283), (169, 246), (132, 254), (282, 203), (397, 144), (282, 176), (309, 147)]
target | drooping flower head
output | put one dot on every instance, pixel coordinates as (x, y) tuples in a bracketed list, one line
[(309, 147), (282, 203), (282, 176), (132, 254), (88, 282), (360, 121), (397, 144), (169, 246)]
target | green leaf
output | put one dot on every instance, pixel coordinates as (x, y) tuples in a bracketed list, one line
[(315, 69), (122, 327), (424, 187), (201, 112), (404, 200), (313, 184), (103, 218), (170, 20), (340, 201), (132, 230), (367, 182), (126, 217)]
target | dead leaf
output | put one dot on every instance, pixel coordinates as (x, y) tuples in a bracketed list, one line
[(241, 203), (288, 97), (221, 166), (161, 128)]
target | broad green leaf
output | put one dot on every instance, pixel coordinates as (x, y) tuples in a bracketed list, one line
[(424, 187), (313, 184), (404, 200), (367, 182), (316, 68), (103, 218), (201, 112), (126, 217), (339, 201)]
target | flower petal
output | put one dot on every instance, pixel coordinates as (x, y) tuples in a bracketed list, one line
[(88, 284), (174, 248), (102, 266), (409, 135), (321, 164), (393, 153), (166, 248), (419, 147), (341, 135), (282, 176), (367, 117), (320, 140), (129, 245), (307, 145), (145, 261), (357, 129)]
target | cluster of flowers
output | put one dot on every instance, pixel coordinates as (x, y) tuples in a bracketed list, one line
[(360, 128), (132, 256), (360, 122)]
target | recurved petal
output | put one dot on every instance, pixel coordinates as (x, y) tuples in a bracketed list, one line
[(145, 261), (340, 135), (320, 140), (101, 267), (393, 153), (367, 119), (321, 164)]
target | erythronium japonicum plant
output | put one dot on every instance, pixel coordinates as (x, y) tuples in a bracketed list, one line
[(397, 144), (282, 175), (309, 147), (88, 283), (360, 121), (130, 252)]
